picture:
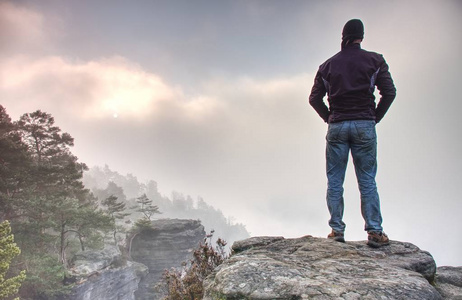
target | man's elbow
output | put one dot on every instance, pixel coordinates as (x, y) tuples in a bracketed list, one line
[(315, 100), (389, 94)]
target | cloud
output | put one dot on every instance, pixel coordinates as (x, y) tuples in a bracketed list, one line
[(21, 28), (237, 140), (241, 124), (228, 119), (99, 89), (95, 89)]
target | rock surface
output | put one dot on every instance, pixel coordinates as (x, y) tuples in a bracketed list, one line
[(102, 275), (90, 261), (317, 268), (168, 245), (448, 282)]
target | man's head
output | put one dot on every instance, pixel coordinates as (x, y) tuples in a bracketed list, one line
[(353, 30)]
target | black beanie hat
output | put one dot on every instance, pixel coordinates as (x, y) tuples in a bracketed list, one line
[(353, 29)]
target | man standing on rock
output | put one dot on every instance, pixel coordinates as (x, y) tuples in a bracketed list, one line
[(349, 78)]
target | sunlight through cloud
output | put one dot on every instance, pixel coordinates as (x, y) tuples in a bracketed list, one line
[(112, 87)]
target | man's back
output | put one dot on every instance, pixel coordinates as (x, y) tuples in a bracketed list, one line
[(349, 79)]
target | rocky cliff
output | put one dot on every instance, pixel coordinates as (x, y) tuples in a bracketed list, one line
[(317, 268), (169, 244), (105, 274)]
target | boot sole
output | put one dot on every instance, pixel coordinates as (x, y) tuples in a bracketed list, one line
[(373, 244), (338, 239)]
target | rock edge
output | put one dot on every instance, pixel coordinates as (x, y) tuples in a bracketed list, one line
[(318, 268)]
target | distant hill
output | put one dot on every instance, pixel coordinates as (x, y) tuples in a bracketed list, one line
[(104, 182)]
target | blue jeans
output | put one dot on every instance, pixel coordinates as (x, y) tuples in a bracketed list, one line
[(360, 137)]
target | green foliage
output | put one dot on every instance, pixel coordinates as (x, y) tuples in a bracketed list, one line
[(116, 211), (8, 250), (52, 214), (115, 208), (14, 166), (58, 204), (45, 278), (146, 207), (44, 139), (187, 284), (89, 224), (142, 225)]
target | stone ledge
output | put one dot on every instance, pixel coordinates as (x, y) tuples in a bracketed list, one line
[(319, 268)]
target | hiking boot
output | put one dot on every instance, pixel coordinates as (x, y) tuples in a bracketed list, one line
[(377, 239), (336, 236)]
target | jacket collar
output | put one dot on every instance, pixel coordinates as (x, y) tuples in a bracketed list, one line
[(352, 46)]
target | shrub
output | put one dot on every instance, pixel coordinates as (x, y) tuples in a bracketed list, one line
[(187, 284)]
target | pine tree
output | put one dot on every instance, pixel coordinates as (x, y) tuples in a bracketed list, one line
[(58, 205), (8, 250), (14, 165), (143, 224), (56, 174), (146, 207), (42, 194), (115, 209)]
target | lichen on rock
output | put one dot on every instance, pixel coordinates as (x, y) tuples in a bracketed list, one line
[(318, 268)]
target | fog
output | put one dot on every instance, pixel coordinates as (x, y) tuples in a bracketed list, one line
[(211, 99)]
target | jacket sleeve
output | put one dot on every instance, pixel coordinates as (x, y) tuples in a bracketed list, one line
[(387, 90), (316, 97)]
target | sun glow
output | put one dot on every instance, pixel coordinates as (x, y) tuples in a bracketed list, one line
[(106, 88)]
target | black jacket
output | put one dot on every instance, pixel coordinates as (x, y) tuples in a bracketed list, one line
[(349, 79)]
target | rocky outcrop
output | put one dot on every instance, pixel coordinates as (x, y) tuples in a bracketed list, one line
[(104, 274), (448, 282), (169, 244), (317, 268), (107, 275)]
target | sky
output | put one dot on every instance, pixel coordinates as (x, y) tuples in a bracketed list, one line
[(210, 99)]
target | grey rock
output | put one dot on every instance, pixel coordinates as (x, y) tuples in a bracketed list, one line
[(111, 284), (104, 275), (253, 242), (448, 282), (317, 268), (168, 245), (87, 262)]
